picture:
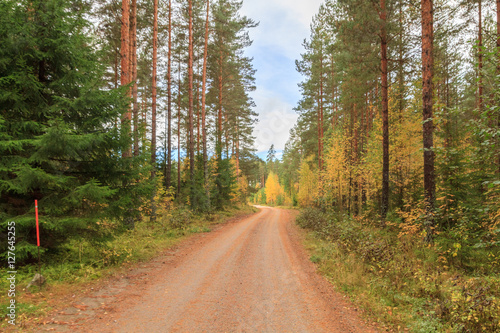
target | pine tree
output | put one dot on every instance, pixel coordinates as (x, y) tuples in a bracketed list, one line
[(480, 56), (125, 63), (153, 108), (385, 110), (498, 73), (428, 127), (271, 156), (203, 95), (168, 170), (109, 32), (190, 91), (231, 75), (133, 43)]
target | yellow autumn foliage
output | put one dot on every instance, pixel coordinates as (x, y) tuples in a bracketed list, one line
[(273, 189), (335, 176), (308, 184)]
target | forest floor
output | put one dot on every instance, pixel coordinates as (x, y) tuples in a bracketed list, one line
[(250, 274)]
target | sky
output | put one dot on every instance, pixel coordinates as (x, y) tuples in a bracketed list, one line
[(277, 43)]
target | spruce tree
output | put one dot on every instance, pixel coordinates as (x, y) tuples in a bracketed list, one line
[(58, 144)]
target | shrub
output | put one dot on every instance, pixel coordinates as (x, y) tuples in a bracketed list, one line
[(312, 218), (180, 218)]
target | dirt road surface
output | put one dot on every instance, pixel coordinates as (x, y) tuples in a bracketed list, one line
[(250, 275)]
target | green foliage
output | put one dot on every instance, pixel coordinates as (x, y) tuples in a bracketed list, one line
[(224, 184), (260, 197), (475, 307), (312, 218), (180, 218), (199, 195), (59, 144), (435, 287)]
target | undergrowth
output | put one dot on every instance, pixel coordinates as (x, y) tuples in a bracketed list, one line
[(80, 260), (403, 282)]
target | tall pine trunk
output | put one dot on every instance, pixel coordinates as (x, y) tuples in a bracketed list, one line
[(179, 131), (203, 97), (153, 109), (401, 73), (334, 98), (321, 112), (385, 113), (133, 43), (498, 73), (198, 116), (480, 58), (125, 75), (169, 99), (219, 116), (401, 103), (318, 116), (237, 149), (355, 186), (428, 127), (190, 78)]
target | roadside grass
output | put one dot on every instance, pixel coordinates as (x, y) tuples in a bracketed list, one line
[(81, 262), (401, 282)]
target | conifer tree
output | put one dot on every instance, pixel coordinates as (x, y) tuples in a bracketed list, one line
[(190, 91), (168, 170), (428, 127), (153, 109), (125, 62), (203, 95), (480, 56), (498, 73), (58, 144), (133, 44), (385, 110), (231, 75)]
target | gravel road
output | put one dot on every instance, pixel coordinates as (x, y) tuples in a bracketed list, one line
[(251, 275)]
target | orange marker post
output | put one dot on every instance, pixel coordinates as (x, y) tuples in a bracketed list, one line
[(37, 230), (37, 236)]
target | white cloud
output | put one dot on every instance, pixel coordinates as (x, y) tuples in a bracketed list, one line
[(301, 10), (275, 121), (284, 24)]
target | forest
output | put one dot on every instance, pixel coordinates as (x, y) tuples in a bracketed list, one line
[(133, 120), (114, 111), (396, 157), (128, 122)]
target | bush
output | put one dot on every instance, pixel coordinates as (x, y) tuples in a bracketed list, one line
[(180, 218), (312, 218), (473, 306)]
